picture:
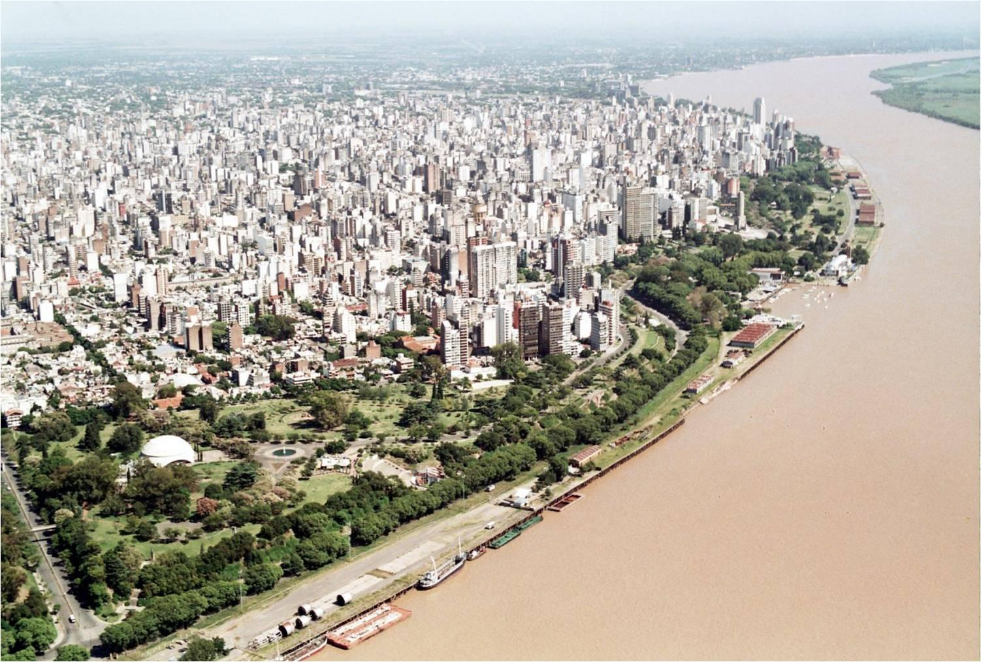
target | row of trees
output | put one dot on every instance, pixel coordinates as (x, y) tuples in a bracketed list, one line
[(166, 614), (374, 506), (27, 630), (708, 285)]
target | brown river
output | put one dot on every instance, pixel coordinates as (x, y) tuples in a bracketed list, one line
[(826, 507)]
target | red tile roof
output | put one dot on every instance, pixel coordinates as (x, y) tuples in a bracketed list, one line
[(753, 333), (585, 455)]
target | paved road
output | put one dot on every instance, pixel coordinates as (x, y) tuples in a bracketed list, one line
[(241, 630), (603, 360), (610, 352), (86, 631), (852, 213), (680, 334)]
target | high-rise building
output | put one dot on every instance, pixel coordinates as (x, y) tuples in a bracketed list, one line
[(207, 340), (759, 111), (431, 179), (492, 266), (541, 163), (555, 335), (637, 208), (225, 310), (134, 294), (192, 338), (572, 279), (482, 268), (505, 324), (162, 282), (610, 306), (449, 348), (243, 312), (154, 310), (463, 326), (505, 263), (528, 318), (599, 332), (235, 336)]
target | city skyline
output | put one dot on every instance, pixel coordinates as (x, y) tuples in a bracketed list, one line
[(307, 309)]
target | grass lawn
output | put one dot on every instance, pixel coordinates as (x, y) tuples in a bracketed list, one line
[(69, 447), (649, 339), (211, 472), (287, 584), (824, 203), (671, 403), (722, 375), (671, 396), (319, 487), (866, 236), (385, 414), (281, 415), (108, 532)]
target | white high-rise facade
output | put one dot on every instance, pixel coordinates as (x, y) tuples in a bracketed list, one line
[(759, 111)]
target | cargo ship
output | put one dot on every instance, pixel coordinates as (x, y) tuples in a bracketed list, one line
[(438, 575), (501, 541), (528, 523), (510, 535)]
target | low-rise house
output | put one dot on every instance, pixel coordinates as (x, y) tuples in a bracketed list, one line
[(299, 378), (733, 358), (403, 363), (343, 368), (12, 418), (866, 214), (698, 385), (429, 475), (334, 463), (584, 456), (836, 267)]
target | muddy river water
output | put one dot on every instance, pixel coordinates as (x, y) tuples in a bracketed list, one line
[(826, 507)]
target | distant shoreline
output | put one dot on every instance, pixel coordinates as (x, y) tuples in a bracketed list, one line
[(945, 96)]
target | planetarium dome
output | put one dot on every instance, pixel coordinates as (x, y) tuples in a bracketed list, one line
[(168, 449)]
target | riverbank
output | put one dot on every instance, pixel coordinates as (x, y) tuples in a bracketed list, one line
[(667, 416), (775, 522), (867, 215)]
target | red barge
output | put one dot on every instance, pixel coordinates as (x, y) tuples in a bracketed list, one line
[(367, 625)]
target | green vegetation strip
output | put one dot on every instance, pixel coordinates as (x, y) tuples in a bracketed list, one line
[(946, 90)]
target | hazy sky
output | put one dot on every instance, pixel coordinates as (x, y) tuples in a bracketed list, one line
[(221, 21)]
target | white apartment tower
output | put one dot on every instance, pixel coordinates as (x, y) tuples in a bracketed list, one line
[(759, 111), (449, 349)]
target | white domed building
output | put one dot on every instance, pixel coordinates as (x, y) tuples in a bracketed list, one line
[(168, 449)]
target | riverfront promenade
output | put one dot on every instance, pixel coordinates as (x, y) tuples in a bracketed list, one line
[(468, 525)]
